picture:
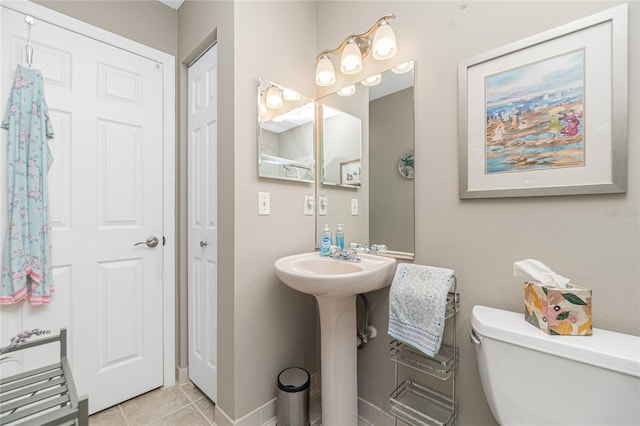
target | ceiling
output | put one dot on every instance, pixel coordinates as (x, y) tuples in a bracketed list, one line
[(175, 4)]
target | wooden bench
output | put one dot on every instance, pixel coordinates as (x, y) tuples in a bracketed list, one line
[(44, 396)]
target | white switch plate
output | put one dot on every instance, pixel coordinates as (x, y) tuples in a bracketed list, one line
[(354, 207), (309, 201), (264, 204), (323, 205)]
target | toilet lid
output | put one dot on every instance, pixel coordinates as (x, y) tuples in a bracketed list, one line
[(606, 349)]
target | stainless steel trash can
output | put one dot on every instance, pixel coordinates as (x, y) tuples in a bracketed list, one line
[(292, 406)]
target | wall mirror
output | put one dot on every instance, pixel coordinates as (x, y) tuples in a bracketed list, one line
[(379, 208), (285, 133), (341, 147)]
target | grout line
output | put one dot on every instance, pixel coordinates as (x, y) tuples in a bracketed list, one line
[(202, 414), (126, 422)]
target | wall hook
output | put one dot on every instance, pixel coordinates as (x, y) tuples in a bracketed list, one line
[(30, 20)]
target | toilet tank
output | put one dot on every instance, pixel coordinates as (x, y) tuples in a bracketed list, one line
[(531, 378)]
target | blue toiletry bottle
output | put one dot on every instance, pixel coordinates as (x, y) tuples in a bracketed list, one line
[(340, 237), (325, 242)]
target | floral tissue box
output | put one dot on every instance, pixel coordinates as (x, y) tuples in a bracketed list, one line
[(558, 311)]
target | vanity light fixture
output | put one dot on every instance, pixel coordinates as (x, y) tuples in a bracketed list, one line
[(372, 81), (380, 38), (347, 91), (274, 97), (325, 74)]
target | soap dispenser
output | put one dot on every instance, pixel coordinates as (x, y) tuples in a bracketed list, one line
[(340, 237), (325, 242)]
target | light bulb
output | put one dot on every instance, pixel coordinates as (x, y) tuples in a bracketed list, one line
[(325, 74), (274, 97), (384, 42), (290, 95), (372, 81), (351, 62), (402, 68), (347, 91)]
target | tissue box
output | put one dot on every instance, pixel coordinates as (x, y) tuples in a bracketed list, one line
[(558, 311)]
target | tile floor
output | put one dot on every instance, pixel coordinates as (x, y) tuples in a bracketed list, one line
[(175, 406)]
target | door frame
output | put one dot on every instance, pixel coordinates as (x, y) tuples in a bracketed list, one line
[(41, 13)]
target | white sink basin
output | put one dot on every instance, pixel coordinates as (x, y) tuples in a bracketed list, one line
[(335, 284), (324, 276)]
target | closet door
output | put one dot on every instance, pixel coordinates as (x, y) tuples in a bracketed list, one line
[(203, 222)]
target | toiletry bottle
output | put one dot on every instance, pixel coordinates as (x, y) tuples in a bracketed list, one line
[(325, 242), (340, 237)]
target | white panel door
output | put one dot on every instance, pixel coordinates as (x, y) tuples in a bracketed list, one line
[(105, 196), (203, 222)]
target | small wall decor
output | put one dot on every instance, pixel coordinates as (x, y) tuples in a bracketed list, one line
[(547, 115), (351, 172), (406, 164)]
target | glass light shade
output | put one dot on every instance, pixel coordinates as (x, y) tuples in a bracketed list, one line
[(384, 42), (402, 68), (351, 62), (274, 98), (290, 95), (372, 81), (325, 74), (347, 91)]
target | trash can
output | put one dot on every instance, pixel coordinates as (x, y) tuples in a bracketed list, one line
[(292, 406)]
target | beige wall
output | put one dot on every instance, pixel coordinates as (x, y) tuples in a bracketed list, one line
[(200, 25), (595, 240), (263, 325), (275, 325)]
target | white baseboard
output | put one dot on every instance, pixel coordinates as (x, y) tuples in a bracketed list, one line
[(182, 375)]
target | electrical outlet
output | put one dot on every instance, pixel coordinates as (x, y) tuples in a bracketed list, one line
[(264, 204), (323, 205), (309, 201), (354, 207)]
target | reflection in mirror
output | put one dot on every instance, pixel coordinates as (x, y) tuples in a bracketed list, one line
[(341, 148), (384, 212), (285, 133)]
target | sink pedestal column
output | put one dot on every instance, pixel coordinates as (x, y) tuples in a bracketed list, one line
[(339, 360)]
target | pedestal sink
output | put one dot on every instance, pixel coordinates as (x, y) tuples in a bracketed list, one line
[(335, 284)]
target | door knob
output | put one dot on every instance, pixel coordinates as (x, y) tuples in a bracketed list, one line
[(151, 242), (203, 244)]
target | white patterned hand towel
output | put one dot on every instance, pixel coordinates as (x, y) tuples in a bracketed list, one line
[(417, 304)]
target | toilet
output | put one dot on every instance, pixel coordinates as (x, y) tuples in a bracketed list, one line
[(531, 378)]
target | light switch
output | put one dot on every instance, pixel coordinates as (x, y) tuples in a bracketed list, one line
[(323, 205), (264, 204), (309, 201), (354, 207)]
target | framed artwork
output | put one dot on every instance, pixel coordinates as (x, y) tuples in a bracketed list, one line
[(350, 172), (547, 115)]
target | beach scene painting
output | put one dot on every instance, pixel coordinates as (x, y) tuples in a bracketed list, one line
[(535, 116)]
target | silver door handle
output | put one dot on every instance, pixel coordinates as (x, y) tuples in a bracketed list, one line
[(203, 244), (151, 242)]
